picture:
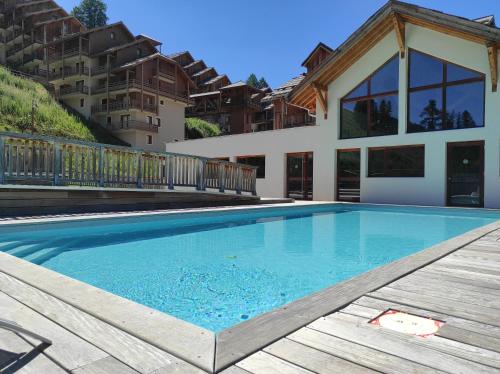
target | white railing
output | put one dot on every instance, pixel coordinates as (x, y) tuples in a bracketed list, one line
[(39, 160)]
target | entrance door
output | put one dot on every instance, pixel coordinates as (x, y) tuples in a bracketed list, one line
[(348, 175), (299, 175), (465, 174)]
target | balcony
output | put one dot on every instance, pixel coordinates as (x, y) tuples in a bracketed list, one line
[(32, 57), (65, 91), (164, 74), (97, 70), (134, 84), (69, 72), (115, 106), (70, 52), (299, 121), (133, 125)]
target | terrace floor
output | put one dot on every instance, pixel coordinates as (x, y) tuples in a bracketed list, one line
[(462, 289)]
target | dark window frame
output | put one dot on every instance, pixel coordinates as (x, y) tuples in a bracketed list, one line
[(368, 99), (443, 85), (392, 148), (259, 170)]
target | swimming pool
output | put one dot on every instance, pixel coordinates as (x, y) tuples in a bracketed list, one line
[(217, 269)]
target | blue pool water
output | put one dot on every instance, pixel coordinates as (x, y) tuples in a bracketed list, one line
[(217, 270)]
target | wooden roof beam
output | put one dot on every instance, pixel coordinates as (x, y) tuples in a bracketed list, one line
[(493, 60), (399, 28), (322, 96)]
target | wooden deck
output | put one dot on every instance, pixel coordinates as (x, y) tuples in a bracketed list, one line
[(462, 289)]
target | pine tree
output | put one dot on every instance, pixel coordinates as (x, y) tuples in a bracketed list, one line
[(262, 83), (253, 81), (431, 115), (91, 13)]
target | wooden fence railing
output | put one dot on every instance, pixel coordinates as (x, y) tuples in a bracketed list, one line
[(39, 160)]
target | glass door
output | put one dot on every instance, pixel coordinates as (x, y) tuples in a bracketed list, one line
[(465, 179), (299, 175), (348, 175)]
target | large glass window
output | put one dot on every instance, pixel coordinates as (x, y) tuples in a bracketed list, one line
[(371, 109), (404, 161), (443, 96), (259, 161)]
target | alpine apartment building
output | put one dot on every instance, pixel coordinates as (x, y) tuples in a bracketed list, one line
[(121, 81), (238, 107), (406, 110)]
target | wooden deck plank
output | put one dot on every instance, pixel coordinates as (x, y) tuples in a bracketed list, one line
[(363, 355), (444, 290), (401, 346), (23, 358), (81, 352), (313, 359), (491, 266), (461, 276), (436, 280), (477, 270), (106, 365), (446, 306), (234, 370), (132, 351), (437, 343), (264, 363)]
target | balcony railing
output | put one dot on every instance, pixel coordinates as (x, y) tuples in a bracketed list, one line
[(135, 84), (55, 56), (29, 57), (38, 160), (165, 73), (122, 105), (99, 70), (69, 72), (133, 125), (63, 91), (299, 121)]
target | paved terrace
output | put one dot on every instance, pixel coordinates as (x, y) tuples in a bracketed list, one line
[(461, 288)]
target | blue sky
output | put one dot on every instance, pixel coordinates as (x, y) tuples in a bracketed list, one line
[(268, 37)]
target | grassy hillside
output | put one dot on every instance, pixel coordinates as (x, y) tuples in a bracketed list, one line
[(16, 97), (197, 128)]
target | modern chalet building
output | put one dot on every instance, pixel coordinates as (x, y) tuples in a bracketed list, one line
[(407, 112), (107, 74), (238, 107)]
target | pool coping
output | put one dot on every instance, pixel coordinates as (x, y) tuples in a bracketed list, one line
[(201, 347)]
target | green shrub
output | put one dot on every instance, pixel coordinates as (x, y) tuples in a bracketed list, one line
[(197, 128)]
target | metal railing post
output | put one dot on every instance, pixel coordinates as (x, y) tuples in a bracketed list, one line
[(56, 166), (139, 170), (2, 160), (201, 176), (170, 172), (254, 182), (101, 166), (239, 179), (222, 177)]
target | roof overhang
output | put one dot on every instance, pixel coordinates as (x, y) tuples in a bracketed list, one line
[(391, 17)]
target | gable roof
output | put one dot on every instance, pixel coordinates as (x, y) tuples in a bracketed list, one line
[(320, 45), (377, 27)]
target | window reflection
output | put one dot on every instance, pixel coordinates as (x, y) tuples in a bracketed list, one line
[(443, 96), (371, 109)]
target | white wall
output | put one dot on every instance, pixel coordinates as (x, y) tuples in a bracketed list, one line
[(323, 139)]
